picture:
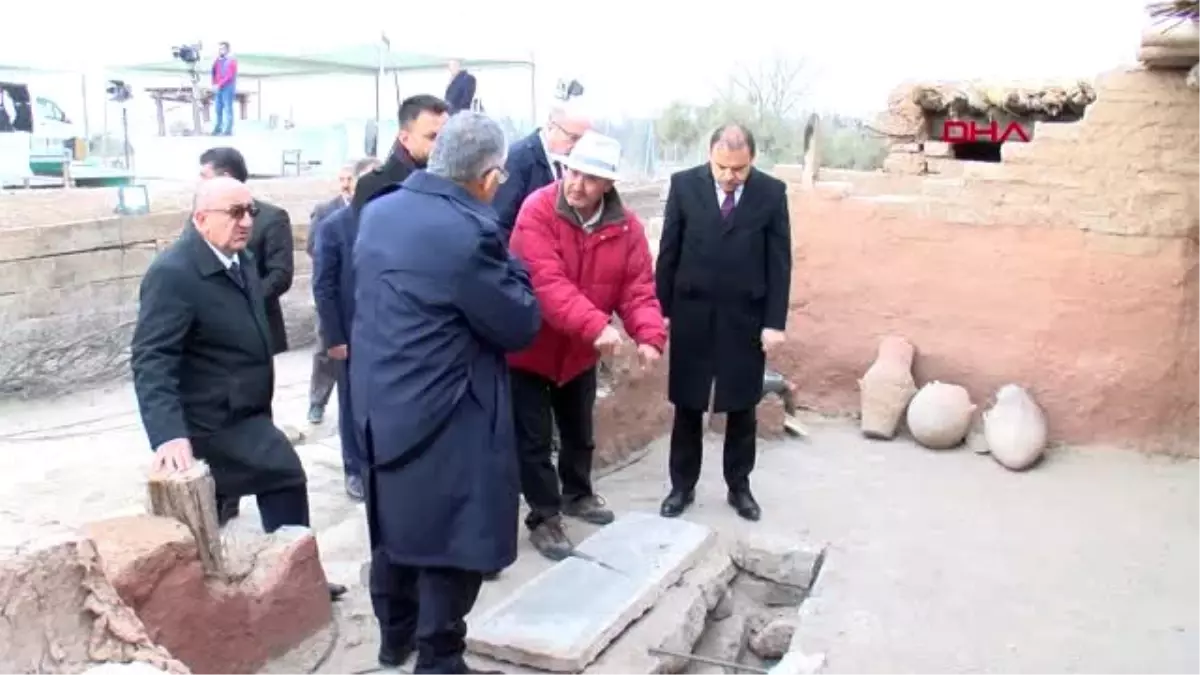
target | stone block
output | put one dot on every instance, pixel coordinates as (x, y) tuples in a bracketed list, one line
[(676, 621), (61, 613), (773, 639), (275, 597), (39, 302), (938, 149), (75, 268), (562, 619), (778, 558), (903, 163), (1140, 85)]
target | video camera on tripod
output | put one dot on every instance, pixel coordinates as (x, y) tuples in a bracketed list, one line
[(189, 54)]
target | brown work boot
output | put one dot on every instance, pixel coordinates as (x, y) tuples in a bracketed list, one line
[(589, 509), (550, 539)]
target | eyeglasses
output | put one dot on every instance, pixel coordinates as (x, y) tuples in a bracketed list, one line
[(573, 137), (237, 211)]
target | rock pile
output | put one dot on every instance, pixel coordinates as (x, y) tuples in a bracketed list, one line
[(738, 605), (61, 613)]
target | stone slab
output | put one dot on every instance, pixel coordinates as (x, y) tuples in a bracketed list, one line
[(562, 619)]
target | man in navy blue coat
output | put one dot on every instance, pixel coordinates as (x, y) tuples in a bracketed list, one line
[(439, 302), (332, 243), (533, 161)]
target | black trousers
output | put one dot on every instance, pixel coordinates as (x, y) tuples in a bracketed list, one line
[(427, 606), (687, 448), (288, 506), (538, 404)]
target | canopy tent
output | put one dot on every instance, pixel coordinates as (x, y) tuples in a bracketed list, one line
[(370, 59), (362, 59)]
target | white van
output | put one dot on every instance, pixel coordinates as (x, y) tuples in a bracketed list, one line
[(51, 133)]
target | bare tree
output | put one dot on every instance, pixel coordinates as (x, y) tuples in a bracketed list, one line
[(775, 87)]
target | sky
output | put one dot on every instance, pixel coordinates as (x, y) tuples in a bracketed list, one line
[(633, 56)]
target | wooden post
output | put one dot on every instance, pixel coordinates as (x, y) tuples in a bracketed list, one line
[(191, 498)]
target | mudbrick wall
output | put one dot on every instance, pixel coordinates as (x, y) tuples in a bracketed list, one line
[(1069, 268), (69, 275)]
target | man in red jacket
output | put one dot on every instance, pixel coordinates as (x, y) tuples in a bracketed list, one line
[(588, 257)]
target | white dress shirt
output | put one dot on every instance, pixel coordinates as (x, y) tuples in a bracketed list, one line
[(737, 194), (555, 167), (227, 261)]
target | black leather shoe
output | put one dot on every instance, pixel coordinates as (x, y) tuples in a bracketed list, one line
[(394, 657), (676, 503), (743, 502), (336, 591)]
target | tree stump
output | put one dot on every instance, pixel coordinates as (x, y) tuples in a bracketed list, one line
[(191, 498)]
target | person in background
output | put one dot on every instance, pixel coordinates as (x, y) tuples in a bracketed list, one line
[(461, 90), (536, 160), (588, 257), (325, 369), (439, 302), (271, 249), (724, 274), (202, 362), (224, 86), (333, 292), (421, 118)]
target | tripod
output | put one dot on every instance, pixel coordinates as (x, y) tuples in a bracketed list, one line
[(195, 77), (125, 134)]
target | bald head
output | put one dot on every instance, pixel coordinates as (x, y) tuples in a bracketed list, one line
[(566, 125), (733, 137), (731, 153), (224, 213)]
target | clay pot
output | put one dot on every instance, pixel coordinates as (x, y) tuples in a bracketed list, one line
[(886, 388), (939, 415), (1015, 429)]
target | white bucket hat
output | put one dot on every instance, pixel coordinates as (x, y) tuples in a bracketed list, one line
[(596, 155)]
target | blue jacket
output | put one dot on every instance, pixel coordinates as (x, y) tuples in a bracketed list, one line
[(528, 169), (333, 274), (439, 302)]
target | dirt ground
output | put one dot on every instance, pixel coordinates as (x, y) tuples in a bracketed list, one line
[(939, 561)]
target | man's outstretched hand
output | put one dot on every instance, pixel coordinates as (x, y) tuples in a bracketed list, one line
[(648, 355), (608, 341)]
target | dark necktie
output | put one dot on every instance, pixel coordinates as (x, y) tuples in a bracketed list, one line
[(727, 205), (557, 170), (235, 273)]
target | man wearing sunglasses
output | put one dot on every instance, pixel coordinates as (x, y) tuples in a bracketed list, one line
[(271, 240), (536, 160), (203, 366)]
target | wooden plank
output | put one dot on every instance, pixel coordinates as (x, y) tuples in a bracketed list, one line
[(191, 498)]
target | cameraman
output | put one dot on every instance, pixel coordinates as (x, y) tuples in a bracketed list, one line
[(224, 85)]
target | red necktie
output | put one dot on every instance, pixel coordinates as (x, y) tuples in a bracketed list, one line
[(727, 205)]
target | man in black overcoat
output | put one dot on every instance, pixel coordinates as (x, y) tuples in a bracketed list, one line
[(202, 362), (271, 241), (723, 276)]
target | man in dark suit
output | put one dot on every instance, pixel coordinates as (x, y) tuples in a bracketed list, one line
[(421, 118), (461, 90), (202, 362), (271, 241), (536, 161), (333, 293), (325, 369), (439, 303), (723, 275)]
